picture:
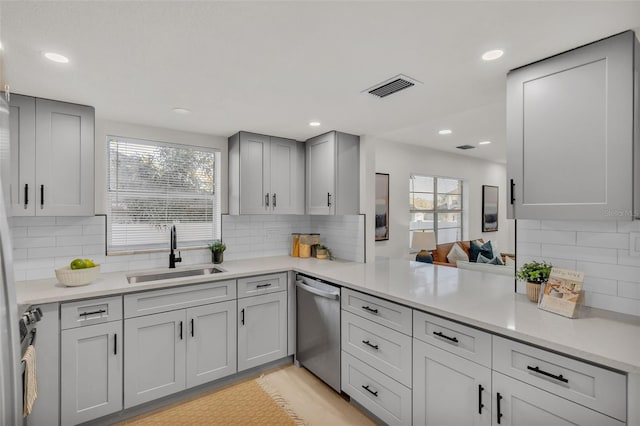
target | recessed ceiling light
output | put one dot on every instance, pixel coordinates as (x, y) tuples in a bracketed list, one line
[(445, 132), (56, 57), (314, 123), (492, 54), (484, 143), (182, 111)]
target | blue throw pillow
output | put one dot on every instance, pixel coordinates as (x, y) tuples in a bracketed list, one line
[(477, 248), (493, 261)]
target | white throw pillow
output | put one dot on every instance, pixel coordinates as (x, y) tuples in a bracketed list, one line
[(457, 253)]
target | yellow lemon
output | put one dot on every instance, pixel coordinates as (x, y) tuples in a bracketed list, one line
[(89, 263)]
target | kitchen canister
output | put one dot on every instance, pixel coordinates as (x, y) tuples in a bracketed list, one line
[(305, 245), (295, 244)]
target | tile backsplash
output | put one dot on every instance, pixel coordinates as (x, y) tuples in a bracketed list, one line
[(599, 249), (41, 244)]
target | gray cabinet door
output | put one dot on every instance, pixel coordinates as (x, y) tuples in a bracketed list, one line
[(64, 159), (154, 361), (570, 135), (523, 404), (321, 179), (448, 389), (255, 194), (287, 176), (91, 372), (22, 129), (262, 329), (211, 342)]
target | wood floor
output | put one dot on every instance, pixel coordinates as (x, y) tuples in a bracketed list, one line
[(313, 400)]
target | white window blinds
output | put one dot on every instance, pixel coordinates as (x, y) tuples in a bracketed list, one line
[(152, 185)]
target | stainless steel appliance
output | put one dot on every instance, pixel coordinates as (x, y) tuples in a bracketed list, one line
[(318, 329)]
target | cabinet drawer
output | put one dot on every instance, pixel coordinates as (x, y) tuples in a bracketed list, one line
[(467, 342), (384, 397), (253, 286), (594, 387), (151, 302), (383, 348), (383, 312), (89, 312)]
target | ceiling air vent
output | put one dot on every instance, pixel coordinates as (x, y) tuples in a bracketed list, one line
[(391, 86), (465, 147)]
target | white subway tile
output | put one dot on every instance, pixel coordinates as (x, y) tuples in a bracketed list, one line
[(612, 303), (625, 259), (34, 253), (20, 253), (34, 242), (568, 225), (33, 221), (613, 272), (80, 240), (93, 249), (528, 249), (114, 267), (600, 285), (25, 264), (629, 226), (557, 237), (19, 275), (590, 254), (93, 229), (38, 274), (629, 290), (529, 235), (561, 263), (80, 220), (18, 231), (51, 231), (603, 239), (528, 224)]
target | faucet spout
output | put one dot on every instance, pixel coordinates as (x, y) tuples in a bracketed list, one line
[(173, 243)]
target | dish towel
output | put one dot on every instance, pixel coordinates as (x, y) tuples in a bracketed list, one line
[(30, 383)]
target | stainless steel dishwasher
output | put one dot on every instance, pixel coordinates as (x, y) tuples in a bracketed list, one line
[(318, 329)]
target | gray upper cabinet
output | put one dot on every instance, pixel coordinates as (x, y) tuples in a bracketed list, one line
[(266, 175), (52, 152), (333, 174), (570, 132)]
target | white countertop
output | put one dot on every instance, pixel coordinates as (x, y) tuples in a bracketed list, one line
[(480, 299)]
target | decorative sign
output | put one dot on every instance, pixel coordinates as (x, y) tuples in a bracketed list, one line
[(562, 292)]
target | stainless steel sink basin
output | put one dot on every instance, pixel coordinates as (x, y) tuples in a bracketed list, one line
[(143, 277)]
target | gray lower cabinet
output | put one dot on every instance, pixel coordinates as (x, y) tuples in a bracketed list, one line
[(518, 403), (154, 360), (91, 372), (448, 389), (262, 329)]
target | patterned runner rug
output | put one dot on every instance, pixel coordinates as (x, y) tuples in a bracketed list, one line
[(254, 402)]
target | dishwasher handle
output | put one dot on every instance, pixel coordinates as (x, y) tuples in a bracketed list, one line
[(318, 292)]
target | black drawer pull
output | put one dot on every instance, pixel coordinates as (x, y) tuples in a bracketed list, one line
[(328, 199), (366, 342), (544, 373), (26, 195), (373, 311), (193, 328), (266, 200), (41, 196), (513, 197), (499, 414), (263, 285), (480, 404), (242, 316), (101, 311), (444, 336), (274, 201), (366, 387), (180, 330), (115, 344)]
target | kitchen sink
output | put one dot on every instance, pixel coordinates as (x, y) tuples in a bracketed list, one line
[(144, 277)]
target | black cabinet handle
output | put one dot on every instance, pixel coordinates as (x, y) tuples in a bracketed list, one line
[(480, 404), (274, 201), (366, 342), (499, 414), (366, 387), (266, 200), (41, 195), (372, 310), (100, 311), (444, 336), (26, 195), (180, 330), (193, 330), (544, 373), (328, 199), (115, 343), (513, 197), (263, 285), (242, 316)]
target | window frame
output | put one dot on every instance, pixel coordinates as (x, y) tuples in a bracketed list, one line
[(116, 250), (435, 211)]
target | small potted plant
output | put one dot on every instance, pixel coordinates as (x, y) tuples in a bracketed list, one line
[(535, 274), (217, 248)]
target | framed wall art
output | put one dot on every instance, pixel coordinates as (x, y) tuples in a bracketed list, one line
[(489, 208), (382, 206)]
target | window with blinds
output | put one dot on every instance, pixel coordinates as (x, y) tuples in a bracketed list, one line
[(153, 185), (436, 203)]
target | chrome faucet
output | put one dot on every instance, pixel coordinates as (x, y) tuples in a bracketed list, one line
[(173, 242)]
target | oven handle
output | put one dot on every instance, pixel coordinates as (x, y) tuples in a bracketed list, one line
[(332, 295)]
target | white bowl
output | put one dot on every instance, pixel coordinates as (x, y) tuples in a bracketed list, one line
[(77, 277)]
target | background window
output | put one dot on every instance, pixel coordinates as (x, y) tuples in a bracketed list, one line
[(436, 203), (153, 185)]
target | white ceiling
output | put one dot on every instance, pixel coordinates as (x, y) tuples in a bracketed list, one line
[(272, 67)]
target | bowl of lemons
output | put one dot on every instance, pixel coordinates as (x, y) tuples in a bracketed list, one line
[(79, 272)]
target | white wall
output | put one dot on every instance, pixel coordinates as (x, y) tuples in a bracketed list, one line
[(402, 160), (106, 128)]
